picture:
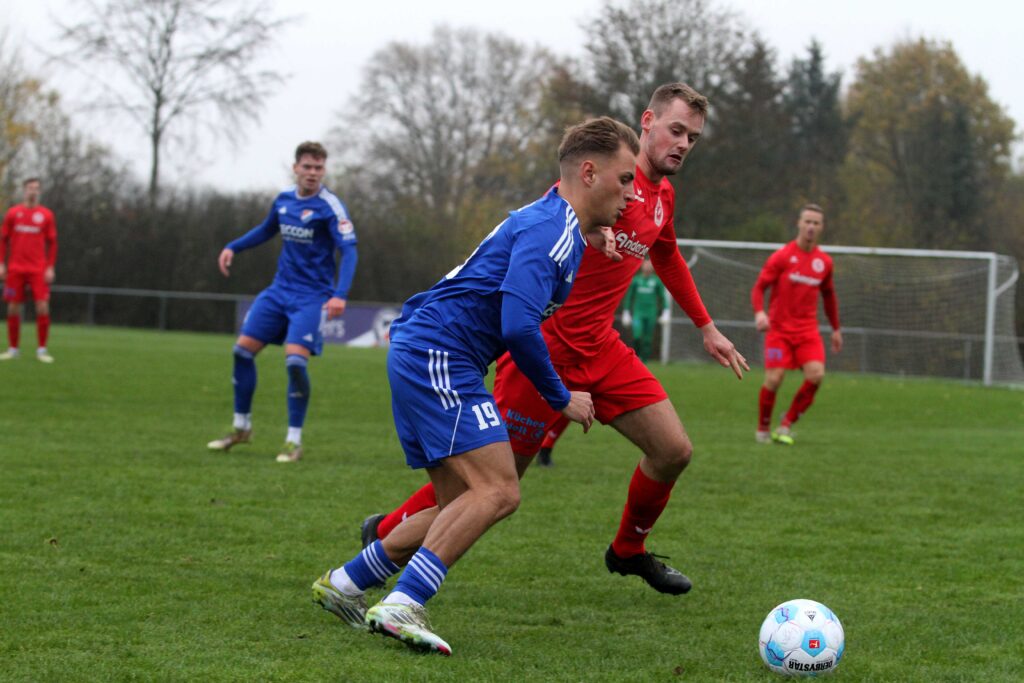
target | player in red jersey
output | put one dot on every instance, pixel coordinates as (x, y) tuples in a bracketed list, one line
[(589, 355), (795, 273), (29, 234)]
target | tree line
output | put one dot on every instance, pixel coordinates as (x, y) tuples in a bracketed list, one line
[(444, 136)]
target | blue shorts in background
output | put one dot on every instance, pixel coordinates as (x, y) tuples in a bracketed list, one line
[(278, 316), (440, 404)]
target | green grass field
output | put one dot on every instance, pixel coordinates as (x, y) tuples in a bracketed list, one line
[(128, 552)]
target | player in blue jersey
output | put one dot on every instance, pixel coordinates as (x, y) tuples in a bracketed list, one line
[(313, 223), (440, 350)]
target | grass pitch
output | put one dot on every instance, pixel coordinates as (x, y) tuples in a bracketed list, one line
[(128, 552)]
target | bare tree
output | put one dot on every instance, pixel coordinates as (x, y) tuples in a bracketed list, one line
[(442, 111), (179, 61), (637, 45), (23, 100)]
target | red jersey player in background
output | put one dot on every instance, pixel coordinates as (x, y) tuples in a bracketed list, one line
[(795, 273), (29, 235), (589, 355)]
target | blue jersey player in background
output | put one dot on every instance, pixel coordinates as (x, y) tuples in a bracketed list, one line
[(312, 223), (440, 350)]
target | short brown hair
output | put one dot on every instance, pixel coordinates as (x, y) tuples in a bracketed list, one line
[(602, 136), (313, 149), (33, 179), (664, 94), (811, 207)]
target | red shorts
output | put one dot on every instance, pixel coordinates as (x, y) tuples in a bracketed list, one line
[(617, 380), (14, 286), (791, 351)]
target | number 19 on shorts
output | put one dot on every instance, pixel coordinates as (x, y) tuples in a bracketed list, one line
[(486, 415)]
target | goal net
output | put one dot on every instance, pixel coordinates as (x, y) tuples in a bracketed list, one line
[(903, 311)]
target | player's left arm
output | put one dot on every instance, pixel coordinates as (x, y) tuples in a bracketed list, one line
[(5, 236), (664, 304), (343, 234), (530, 283), (676, 276), (831, 302), (51, 250)]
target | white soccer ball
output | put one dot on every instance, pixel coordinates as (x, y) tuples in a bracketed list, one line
[(801, 638)]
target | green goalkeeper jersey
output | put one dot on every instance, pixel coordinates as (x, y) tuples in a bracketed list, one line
[(646, 296)]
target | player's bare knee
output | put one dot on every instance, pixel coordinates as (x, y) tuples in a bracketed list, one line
[(815, 375), (773, 379), (683, 454), (672, 458), (506, 499)]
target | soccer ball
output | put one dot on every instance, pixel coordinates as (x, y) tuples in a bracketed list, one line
[(801, 638)]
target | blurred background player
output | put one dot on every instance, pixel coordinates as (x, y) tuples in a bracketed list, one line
[(589, 355), (29, 235), (441, 348), (312, 223), (646, 301), (795, 274)]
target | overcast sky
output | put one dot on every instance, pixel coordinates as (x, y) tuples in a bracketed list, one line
[(324, 51)]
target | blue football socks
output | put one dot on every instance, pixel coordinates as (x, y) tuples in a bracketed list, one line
[(422, 577), (298, 388), (370, 567), (244, 379)]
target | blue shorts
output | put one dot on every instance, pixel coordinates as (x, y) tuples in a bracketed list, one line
[(281, 317), (440, 404)]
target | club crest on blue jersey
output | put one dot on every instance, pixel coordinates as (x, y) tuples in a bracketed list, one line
[(306, 215)]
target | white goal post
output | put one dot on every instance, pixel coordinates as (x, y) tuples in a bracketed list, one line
[(903, 311)]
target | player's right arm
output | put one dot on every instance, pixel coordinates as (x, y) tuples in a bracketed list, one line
[(767, 278), (261, 233)]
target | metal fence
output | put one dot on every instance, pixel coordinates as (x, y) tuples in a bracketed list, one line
[(88, 313)]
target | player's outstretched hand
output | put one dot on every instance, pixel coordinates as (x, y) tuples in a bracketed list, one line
[(580, 409), (604, 242), (335, 307), (49, 275), (837, 341), (723, 350), (761, 321), (224, 261)]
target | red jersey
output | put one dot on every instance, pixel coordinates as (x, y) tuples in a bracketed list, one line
[(31, 236), (795, 277), (583, 325)]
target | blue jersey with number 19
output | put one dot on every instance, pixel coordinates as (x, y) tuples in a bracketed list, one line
[(532, 256)]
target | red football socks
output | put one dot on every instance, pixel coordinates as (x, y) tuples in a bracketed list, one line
[(421, 500), (801, 402), (644, 504), (13, 330), (766, 403), (42, 329)]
